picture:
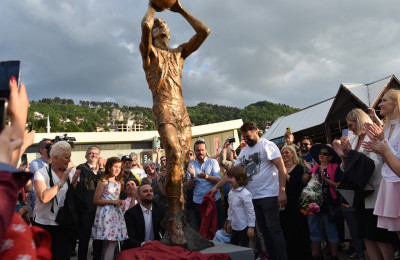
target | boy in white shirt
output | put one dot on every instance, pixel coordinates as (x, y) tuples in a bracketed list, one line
[(241, 215)]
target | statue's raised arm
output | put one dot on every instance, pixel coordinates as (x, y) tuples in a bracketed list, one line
[(146, 43), (202, 31)]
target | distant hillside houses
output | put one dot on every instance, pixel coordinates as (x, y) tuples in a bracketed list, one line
[(38, 115)]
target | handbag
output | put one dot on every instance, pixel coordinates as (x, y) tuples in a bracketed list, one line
[(67, 216), (334, 212)]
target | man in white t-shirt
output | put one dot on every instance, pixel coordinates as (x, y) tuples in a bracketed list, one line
[(267, 180)]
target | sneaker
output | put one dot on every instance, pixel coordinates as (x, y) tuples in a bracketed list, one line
[(349, 251), (397, 254), (353, 255), (265, 255)]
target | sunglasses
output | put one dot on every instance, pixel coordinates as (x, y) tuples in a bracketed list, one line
[(164, 160), (191, 154), (324, 154), (304, 144)]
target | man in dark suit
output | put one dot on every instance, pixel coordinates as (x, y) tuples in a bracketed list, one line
[(143, 221), (86, 186)]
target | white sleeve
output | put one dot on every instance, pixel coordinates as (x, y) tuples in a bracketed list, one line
[(251, 215), (271, 151), (71, 174), (39, 176), (239, 161), (230, 209)]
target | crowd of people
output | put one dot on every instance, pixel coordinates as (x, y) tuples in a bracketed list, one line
[(250, 199)]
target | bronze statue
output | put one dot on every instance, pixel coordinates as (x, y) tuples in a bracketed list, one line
[(163, 67)]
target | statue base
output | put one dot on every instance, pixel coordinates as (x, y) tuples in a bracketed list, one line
[(179, 233)]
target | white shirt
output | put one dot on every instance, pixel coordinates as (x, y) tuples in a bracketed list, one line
[(140, 172), (393, 142), (42, 212), (262, 173), (241, 211), (148, 223)]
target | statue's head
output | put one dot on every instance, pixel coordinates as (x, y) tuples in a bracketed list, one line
[(160, 29)]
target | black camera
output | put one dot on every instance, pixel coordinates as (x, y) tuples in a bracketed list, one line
[(232, 140), (59, 138)]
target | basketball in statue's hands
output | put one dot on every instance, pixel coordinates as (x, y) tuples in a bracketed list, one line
[(163, 4)]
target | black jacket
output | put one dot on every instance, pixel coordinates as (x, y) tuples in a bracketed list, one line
[(358, 170), (85, 189), (135, 224)]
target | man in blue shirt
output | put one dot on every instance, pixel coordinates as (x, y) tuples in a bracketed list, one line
[(203, 174), (44, 159), (35, 165)]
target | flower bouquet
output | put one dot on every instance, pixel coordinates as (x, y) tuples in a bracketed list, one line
[(311, 197)]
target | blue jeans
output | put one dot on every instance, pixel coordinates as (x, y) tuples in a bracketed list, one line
[(314, 222), (267, 216)]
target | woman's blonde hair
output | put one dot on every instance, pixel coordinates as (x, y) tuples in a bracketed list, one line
[(394, 95), (296, 159), (359, 117)]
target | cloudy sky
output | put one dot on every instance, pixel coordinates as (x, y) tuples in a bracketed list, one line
[(291, 52)]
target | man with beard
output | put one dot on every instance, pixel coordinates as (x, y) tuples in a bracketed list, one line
[(143, 221), (305, 145), (203, 173), (86, 186), (264, 166)]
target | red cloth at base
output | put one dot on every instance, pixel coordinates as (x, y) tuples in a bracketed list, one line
[(24, 242), (209, 217), (155, 250)]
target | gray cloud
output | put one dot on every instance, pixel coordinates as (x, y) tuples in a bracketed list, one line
[(296, 53)]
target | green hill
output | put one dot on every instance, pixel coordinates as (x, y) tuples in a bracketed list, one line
[(87, 116)]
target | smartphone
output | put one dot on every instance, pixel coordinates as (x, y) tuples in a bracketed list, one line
[(158, 144), (232, 140), (24, 160), (7, 70), (3, 112)]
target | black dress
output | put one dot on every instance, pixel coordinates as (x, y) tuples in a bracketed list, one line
[(293, 222)]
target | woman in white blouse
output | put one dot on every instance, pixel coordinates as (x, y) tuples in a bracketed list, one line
[(51, 197), (386, 142)]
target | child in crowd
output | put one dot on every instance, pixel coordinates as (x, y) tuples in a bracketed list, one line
[(109, 223), (241, 215), (289, 139)]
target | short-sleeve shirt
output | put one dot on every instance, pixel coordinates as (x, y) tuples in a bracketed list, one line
[(261, 172), (37, 164), (142, 174), (202, 186), (42, 212)]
